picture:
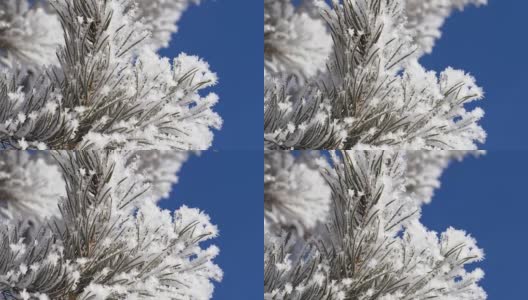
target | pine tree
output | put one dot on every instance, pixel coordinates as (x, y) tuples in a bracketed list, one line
[(85, 225), (349, 77), (85, 75), (360, 235), (347, 224)]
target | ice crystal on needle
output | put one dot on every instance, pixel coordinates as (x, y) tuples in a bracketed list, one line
[(108, 88), (373, 245), (29, 34), (295, 193), (160, 17), (295, 41), (426, 17), (371, 91), (107, 238), (22, 177)]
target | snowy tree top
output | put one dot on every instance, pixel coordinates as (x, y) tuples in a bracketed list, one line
[(372, 244), (368, 91), (107, 239), (97, 83)]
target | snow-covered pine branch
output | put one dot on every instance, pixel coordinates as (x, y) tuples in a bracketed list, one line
[(426, 17), (295, 39), (372, 245), (160, 17), (424, 169), (109, 89), (24, 175), (108, 239), (296, 196), (32, 32), (29, 34), (159, 169), (370, 91)]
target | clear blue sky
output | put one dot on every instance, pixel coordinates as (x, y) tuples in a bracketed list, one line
[(228, 35), (486, 196), (490, 42), (228, 186)]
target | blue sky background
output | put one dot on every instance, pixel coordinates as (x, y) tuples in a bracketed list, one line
[(228, 186), (228, 35), (491, 43), (486, 196)]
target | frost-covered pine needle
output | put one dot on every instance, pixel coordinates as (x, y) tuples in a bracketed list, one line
[(372, 244), (96, 81), (349, 77), (106, 239)]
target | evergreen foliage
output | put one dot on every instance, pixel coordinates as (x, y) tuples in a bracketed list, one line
[(357, 83), (97, 82)]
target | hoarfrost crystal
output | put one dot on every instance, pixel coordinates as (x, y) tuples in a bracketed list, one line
[(106, 88), (108, 239), (29, 34), (371, 91), (373, 243), (295, 193)]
